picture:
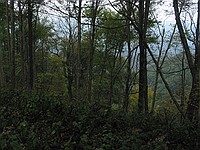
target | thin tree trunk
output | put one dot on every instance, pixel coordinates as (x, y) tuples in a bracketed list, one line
[(112, 77), (128, 69), (147, 6), (70, 79), (8, 32), (79, 51), (183, 84), (69, 55), (30, 44), (1, 68), (21, 44), (12, 44), (155, 92), (67, 68), (111, 89), (92, 49)]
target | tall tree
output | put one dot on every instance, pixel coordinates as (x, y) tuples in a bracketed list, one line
[(94, 8), (21, 43), (3, 38), (12, 43), (142, 27), (1, 67), (79, 48), (111, 37), (194, 65), (128, 69), (8, 31), (30, 44), (140, 21), (70, 61)]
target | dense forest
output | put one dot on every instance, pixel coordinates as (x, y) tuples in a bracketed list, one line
[(99, 74)]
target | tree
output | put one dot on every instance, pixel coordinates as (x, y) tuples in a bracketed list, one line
[(79, 48), (22, 43), (141, 21), (30, 44), (109, 65), (162, 54), (194, 65), (128, 69), (1, 68), (12, 44), (3, 37), (144, 6), (94, 9)]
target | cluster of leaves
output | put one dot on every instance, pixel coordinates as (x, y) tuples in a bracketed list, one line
[(39, 121)]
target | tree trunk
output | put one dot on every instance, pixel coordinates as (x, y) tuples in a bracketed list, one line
[(70, 80), (79, 51), (69, 55), (67, 68), (30, 44), (183, 84), (92, 48), (154, 92), (21, 45), (12, 44), (143, 85), (193, 103), (111, 89), (128, 69), (1, 68), (8, 32), (194, 97)]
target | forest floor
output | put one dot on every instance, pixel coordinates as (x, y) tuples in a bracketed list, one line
[(50, 123)]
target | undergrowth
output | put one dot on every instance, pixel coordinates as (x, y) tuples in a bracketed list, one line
[(48, 122)]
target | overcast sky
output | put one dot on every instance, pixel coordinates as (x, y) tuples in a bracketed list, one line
[(166, 11)]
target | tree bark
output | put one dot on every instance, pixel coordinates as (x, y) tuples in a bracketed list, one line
[(8, 32), (12, 44), (79, 51), (30, 44), (21, 44), (183, 84), (1, 68), (94, 8), (67, 68), (128, 69), (143, 85)]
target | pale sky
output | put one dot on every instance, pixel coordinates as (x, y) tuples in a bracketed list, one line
[(166, 11)]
